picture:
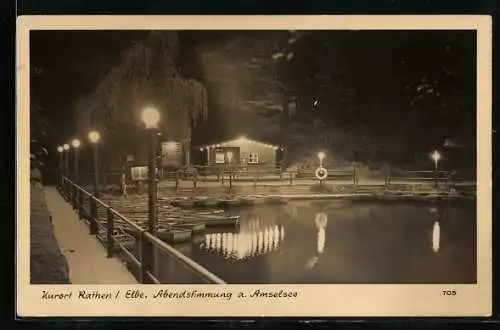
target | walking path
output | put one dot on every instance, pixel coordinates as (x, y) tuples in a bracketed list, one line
[(86, 257)]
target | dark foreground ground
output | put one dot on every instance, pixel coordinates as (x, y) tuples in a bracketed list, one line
[(47, 264)]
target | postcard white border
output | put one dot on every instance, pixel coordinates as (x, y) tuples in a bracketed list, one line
[(313, 300)]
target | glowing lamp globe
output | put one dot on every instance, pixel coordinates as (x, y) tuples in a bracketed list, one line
[(94, 137), (75, 143), (436, 155), (60, 149), (321, 155), (150, 117), (66, 146)]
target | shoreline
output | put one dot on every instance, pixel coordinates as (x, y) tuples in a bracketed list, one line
[(198, 201)]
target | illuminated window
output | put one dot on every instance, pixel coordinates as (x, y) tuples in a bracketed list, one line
[(253, 158), (220, 158), (139, 173)]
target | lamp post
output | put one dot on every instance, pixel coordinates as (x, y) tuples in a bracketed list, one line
[(76, 145), (60, 150), (94, 138), (66, 161), (151, 117), (229, 156), (321, 157), (436, 156)]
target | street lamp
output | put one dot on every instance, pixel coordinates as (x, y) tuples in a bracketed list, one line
[(76, 145), (436, 156), (66, 161), (321, 156), (60, 150), (151, 117), (229, 156), (94, 138)]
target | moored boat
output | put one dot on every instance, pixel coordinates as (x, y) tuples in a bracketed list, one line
[(195, 227), (174, 235)]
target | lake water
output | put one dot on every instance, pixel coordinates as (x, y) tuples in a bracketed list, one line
[(341, 242)]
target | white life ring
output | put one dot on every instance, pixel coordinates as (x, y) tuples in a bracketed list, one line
[(321, 173), (321, 220)]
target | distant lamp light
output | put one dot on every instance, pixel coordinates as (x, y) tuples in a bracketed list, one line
[(201, 149), (321, 156), (315, 103), (66, 146), (282, 149), (150, 117), (75, 143), (60, 149), (94, 136), (436, 156)]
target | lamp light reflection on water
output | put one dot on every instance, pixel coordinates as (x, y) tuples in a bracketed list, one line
[(245, 244), (321, 221), (436, 236)]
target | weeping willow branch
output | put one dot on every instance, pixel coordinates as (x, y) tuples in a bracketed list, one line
[(146, 75)]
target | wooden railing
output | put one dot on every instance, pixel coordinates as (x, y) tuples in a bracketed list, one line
[(81, 199), (436, 177)]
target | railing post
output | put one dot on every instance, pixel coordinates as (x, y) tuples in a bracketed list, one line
[(291, 178), (80, 205), (146, 258), (67, 190), (387, 178), (61, 187), (93, 217), (354, 174), (109, 232), (74, 197)]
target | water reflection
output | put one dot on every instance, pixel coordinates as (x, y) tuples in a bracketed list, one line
[(342, 242), (321, 221), (436, 236), (247, 243), (436, 230)]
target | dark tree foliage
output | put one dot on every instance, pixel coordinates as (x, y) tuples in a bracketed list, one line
[(147, 75), (372, 93), (242, 78), (63, 65)]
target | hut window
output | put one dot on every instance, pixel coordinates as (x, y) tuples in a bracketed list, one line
[(253, 158), (220, 158)]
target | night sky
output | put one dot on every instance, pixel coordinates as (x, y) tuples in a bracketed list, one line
[(419, 85)]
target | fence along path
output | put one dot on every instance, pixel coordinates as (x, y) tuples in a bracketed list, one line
[(85, 255), (149, 245)]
